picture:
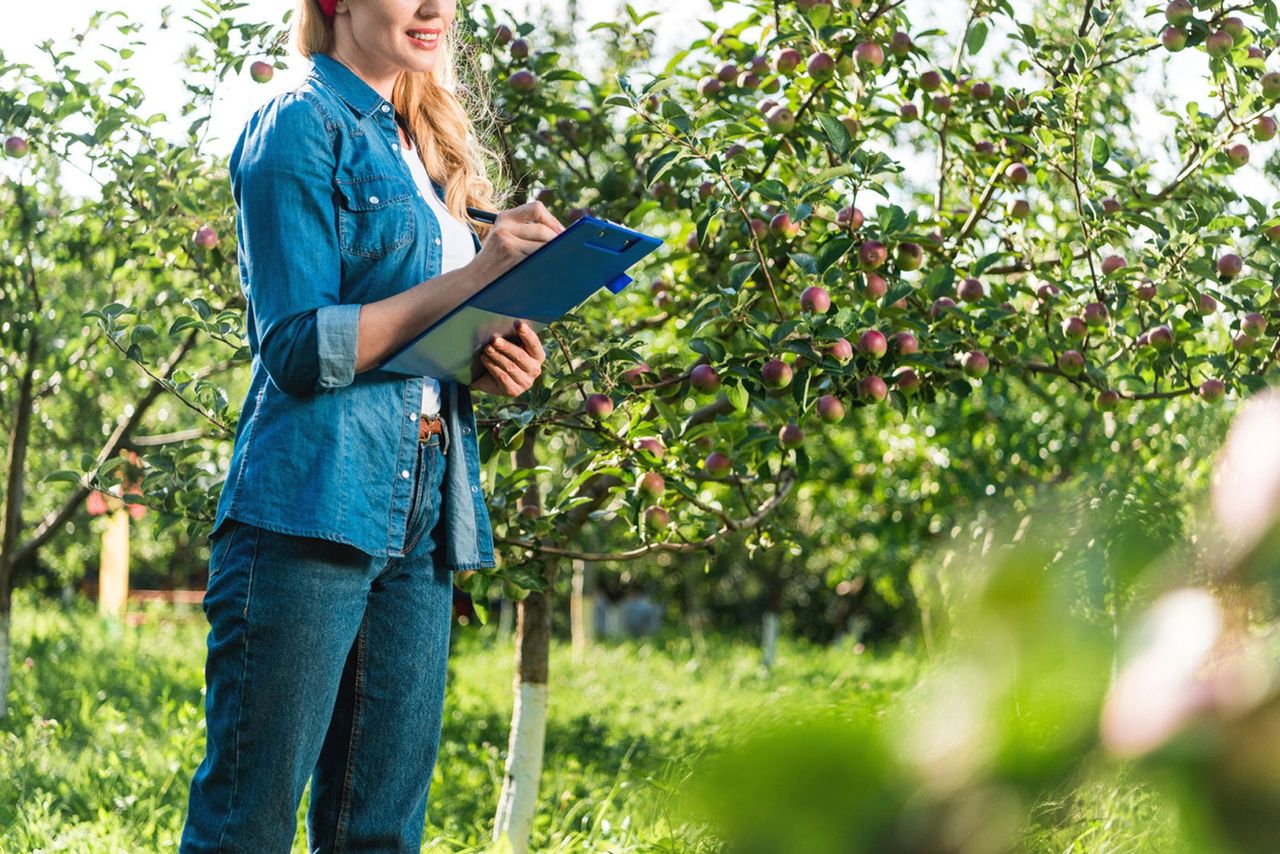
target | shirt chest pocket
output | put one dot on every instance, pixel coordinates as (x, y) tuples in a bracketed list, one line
[(375, 215)]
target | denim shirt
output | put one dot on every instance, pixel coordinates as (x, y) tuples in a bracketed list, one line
[(329, 218)]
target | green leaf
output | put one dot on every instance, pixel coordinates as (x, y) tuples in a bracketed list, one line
[(738, 396), (772, 189), (1100, 152), (805, 262), (976, 37), (836, 132), (832, 251), (62, 476), (740, 272)]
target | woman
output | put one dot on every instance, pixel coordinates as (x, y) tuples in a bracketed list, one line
[(330, 581)]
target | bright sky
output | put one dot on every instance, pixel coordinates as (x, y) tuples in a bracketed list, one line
[(27, 24)]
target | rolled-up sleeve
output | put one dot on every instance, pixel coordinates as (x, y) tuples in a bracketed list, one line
[(282, 172)]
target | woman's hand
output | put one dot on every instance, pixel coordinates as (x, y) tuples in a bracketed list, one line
[(516, 233), (512, 368)]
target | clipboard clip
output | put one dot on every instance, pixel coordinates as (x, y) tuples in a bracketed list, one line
[(619, 283)]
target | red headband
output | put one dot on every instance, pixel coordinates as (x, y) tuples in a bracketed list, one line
[(329, 7)]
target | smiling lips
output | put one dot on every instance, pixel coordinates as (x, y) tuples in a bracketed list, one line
[(425, 39)]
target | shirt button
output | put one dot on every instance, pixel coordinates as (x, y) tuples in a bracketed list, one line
[(466, 430), (437, 241), (395, 146), (405, 474), (373, 200), (386, 108), (475, 489)]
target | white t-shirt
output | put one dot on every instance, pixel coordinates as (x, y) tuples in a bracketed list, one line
[(455, 243)]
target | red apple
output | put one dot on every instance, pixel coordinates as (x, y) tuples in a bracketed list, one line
[(1020, 209), (981, 91), (1270, 84), (872, 254), (1074, 328), (709, 86), (728, 72), (1071, 363), (970, 290), (1230, 265), (16, 146), (1107, 401), (840, 350), (941, 103), (519, 49), (1145, 290), (1253, 325), (907, 380), (875, 286), (830, 409), (205, 237), (940, 306), (1017, 173), (1218, 43), (909, 112), (261, 72), (905, 343), (869, 55), (502, 35), (1112, 264), (704, 378), (776, 374), (930, 81), (782, 226), (523, 80), (815, 300), (1095, 314), (651, 484), (1161, 337), (651, 445), (1212, 390), (849, 217), (791, 436), (872, 343), (1110, 205), (1178, 11), (1173, 39), (975, 363), (900, 44), (786, 60), (656, 519), (821, 66), (910, 256), (598, 406), (1238, 155), (1243, 344), (872, 388), (1207, 304), (1264, 128), (717, 464)]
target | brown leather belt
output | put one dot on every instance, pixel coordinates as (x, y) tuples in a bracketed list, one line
[(429, 425)]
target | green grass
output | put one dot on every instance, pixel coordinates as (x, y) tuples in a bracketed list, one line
[(106, 728)]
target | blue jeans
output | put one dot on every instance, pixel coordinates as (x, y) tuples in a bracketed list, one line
[(325, 663)]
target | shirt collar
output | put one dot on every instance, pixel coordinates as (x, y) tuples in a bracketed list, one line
[(358, 95)]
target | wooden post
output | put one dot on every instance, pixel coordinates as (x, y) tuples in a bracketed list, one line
[(113, 571), (582, 616)]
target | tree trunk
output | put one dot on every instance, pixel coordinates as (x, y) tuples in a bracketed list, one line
[(518, 802), (19, 438), (582, 615), (770, 642), (519, 799), (506, 618)]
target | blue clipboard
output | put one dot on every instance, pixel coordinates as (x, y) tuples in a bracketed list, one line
[(560, 275)]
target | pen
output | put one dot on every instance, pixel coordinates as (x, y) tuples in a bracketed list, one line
[(482, 216)]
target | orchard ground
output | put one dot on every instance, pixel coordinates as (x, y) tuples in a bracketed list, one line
[(106, 727)]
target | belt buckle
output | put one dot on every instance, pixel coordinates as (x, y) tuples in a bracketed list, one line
[(444, 433)]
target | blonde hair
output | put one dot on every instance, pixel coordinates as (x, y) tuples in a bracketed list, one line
[(443, 131)]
